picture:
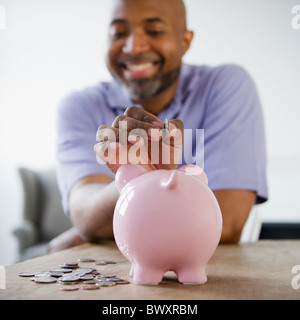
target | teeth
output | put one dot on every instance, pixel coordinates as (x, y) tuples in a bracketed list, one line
[(139, 67)]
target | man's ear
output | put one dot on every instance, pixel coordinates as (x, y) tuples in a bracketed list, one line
[(187, 40), (128, 172)]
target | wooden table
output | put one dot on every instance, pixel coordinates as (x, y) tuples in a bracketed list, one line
[(260, 270)]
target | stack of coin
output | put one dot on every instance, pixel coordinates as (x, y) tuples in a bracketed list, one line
[(73, 277)]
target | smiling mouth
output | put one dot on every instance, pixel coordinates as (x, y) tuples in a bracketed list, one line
[(134, 70)]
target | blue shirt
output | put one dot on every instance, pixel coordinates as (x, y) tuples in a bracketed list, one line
[(221, 100)]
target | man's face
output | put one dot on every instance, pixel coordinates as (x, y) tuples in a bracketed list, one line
[(147, 40)]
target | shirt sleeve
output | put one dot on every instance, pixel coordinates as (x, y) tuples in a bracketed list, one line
[(235, 155), (76, 137)]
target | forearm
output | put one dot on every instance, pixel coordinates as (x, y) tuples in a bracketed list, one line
[(235, 207), (91, 209)]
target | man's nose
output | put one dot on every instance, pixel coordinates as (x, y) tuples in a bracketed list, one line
[(136, 43)]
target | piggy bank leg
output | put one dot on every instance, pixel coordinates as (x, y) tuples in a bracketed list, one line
[(131, 270), (192, 275), (146, 275)]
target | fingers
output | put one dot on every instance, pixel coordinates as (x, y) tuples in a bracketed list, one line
[(135, 121), (125, 129), (143, 116), (177, 123), (139, 136), (125, 122)]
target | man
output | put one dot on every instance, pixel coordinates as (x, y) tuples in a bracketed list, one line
[(147, 40)]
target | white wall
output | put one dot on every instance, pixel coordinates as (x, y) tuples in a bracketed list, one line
[(51, 47)]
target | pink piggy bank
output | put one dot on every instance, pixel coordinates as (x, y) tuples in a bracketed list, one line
[(166, 220)]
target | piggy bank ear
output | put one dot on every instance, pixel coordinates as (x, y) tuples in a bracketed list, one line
[(126, 173), (196, 171)]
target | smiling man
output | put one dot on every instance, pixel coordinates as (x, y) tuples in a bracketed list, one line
[(147, 41)]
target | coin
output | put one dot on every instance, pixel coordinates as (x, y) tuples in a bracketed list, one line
[(108, 276), (86, 270), (64, 270), (87, 277), (26, 274), (69, 275), (122, 282), (115, 279), (69, 288), (86, 260), (110, 262), (105, 283), (78, 272), (167, 124), (96, 273), (42, 274), (68, 283), (90, 282), (44, 279), (69, 278), (67, 266), (71, 264), (91, 287), (56, 274)]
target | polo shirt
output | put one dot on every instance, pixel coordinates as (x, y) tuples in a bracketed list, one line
[(223, 121)]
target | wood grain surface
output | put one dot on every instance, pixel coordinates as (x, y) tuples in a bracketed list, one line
[(261, 270)]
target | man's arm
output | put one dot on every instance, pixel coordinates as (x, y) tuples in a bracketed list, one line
[(91, 204), (235, 207)]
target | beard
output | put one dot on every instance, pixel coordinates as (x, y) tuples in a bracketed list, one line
[(150, 87)]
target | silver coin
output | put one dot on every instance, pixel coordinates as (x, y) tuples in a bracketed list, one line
[(115, 279), (26, 274), (86, 270), (65, 266), (69, 283), (69, 278), (71, 264), (42, 274), (89, 287), (110, 262), (44, 279), (108, 276), (105, 283), (64, 270), (122, 282), (167, 124), (101, 263), (90, 282), (78, 272), (86, 260), (69, 288), (87, 277), (56, 274)]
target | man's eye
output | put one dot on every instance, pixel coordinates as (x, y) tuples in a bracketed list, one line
[(118, 34), (155, 33)]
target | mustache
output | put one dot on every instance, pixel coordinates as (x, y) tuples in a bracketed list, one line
[(140, 58)]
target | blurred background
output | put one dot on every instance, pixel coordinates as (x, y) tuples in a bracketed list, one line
[(49, 48)]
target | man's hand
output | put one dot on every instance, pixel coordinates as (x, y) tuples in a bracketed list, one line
[(67, 239), (139, 137)]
